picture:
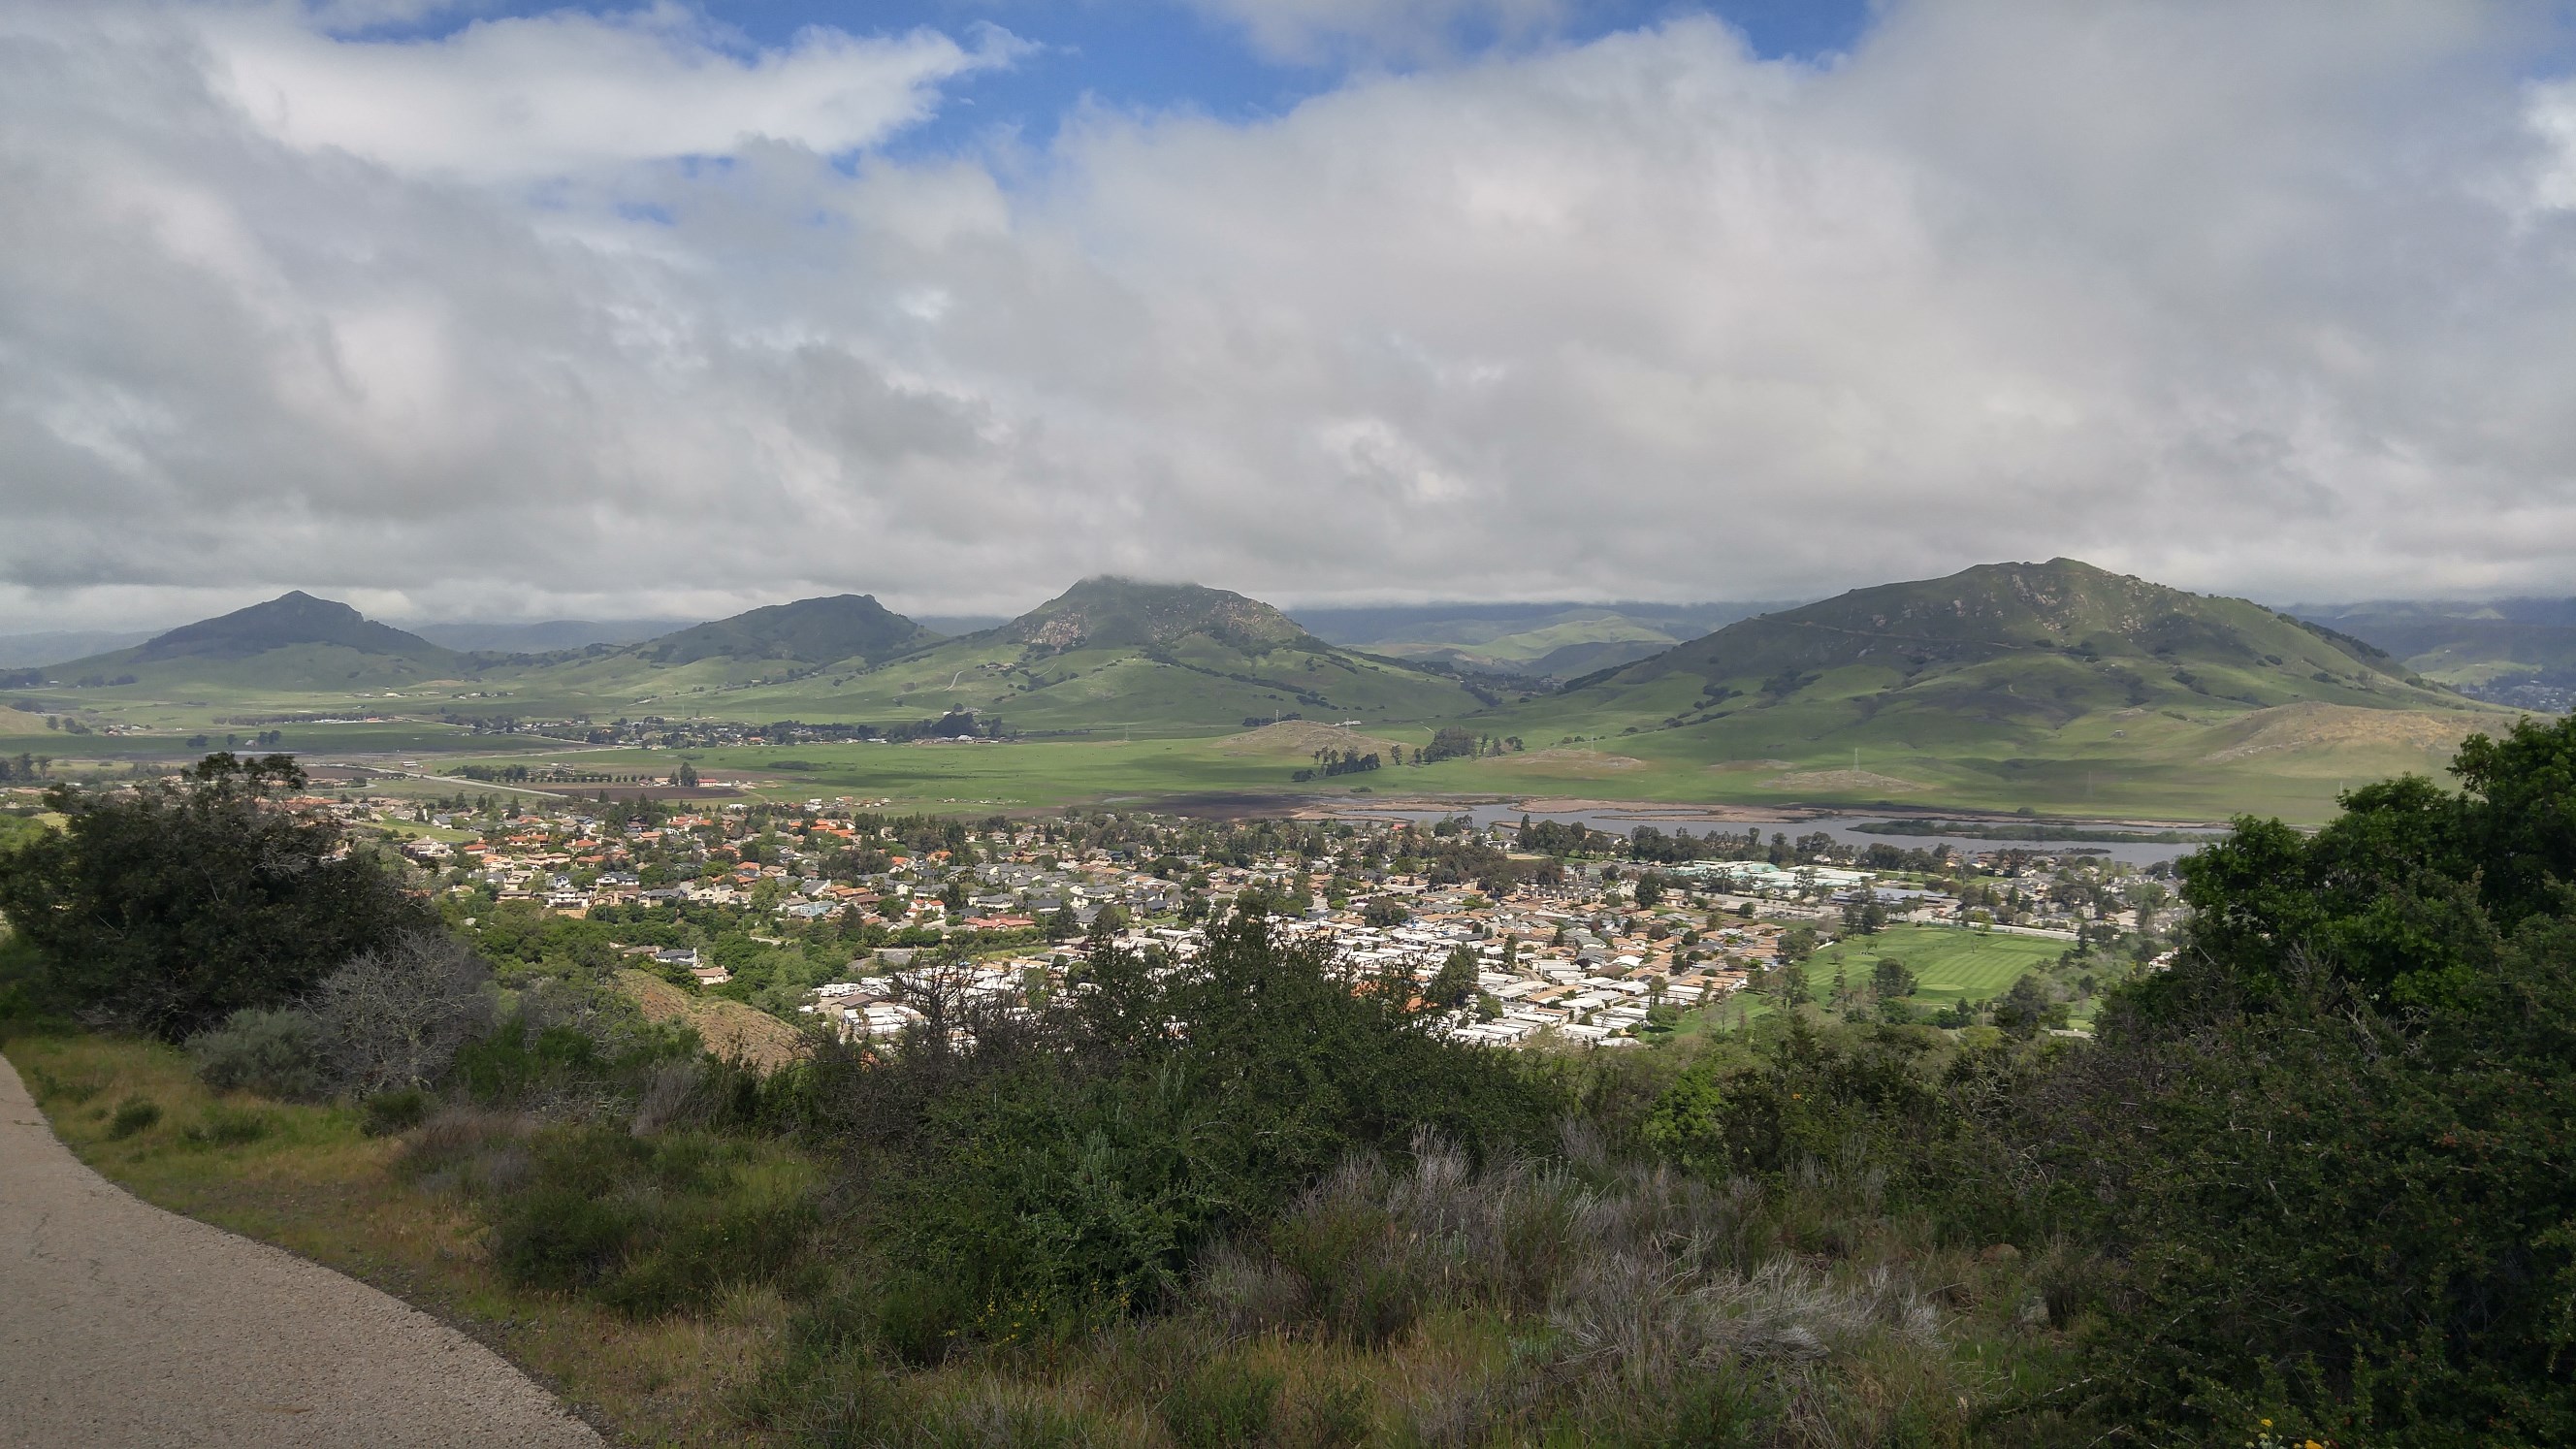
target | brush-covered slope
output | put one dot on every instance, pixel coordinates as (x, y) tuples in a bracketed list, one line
[(294, 642), (1115, 613), (812, 631), (1113, 653), (1997, 656)]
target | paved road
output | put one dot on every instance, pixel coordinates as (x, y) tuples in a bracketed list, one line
[(121, 1324)]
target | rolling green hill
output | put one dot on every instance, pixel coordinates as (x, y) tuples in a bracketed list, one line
[(1114, 654), (842, 628), (292, 642), (2008, 682), (2056, 687), (2001, 648)]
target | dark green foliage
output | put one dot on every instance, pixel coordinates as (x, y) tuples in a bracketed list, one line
[(168, 909), (2025, 1010), (1891, 979), (387, 1113), (650, 1225), (1455, 982), (2332, 1211), (2406, 893), (1819, 1092), (1221, 1405), (133, 1115), (1064, 1171), (520, 1057), (2314, 1173)]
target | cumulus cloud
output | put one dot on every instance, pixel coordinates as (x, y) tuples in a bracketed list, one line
[(2272, 301), (530, 97)]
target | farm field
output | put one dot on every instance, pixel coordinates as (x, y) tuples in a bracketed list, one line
[(2292, 763)]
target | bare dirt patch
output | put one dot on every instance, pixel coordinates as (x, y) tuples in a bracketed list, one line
[(2316, 727), (729, 1028), (1841, 781), (1564, 760), (1738, 765)]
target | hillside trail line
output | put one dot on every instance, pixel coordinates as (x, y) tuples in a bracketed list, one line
[(122, 1324)]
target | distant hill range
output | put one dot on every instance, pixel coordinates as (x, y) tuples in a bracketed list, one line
[(1537, 640), (2519, 652), (19, 651), (2004, 681), (1116, 653), (546, 637)]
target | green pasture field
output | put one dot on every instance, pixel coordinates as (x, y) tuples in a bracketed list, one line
[(2164, 780), (2160, 764)]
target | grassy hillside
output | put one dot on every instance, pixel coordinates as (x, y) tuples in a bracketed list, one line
[(1997, 670), (1112, 655), (2053, 687), (845, 627), (294, 641)]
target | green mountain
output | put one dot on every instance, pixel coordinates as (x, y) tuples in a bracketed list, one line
[(811, 631), (1117, 654), (283, 622), (1114, 613), (1994, 669), (293, 642)]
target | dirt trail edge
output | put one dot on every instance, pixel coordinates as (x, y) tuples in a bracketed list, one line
[(122, 1324)]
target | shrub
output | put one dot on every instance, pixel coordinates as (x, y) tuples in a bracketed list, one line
[(650, 1226), (1221, 1404), (919, 1316), (168, 908), (1068, 1168), (387, 1113), (274, 1051), (227, 1126), (395, 1015), (133, 1115)]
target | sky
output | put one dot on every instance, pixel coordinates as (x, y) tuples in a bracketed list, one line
[(509, 310)]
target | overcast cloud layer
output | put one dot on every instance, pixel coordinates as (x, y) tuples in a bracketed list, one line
[(616, 315)]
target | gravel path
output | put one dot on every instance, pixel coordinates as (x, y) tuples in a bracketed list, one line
[(121, 1324)]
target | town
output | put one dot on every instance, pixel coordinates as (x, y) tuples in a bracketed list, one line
[(828, 914)]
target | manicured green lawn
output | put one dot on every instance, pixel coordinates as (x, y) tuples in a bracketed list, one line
[(1951, 964)]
